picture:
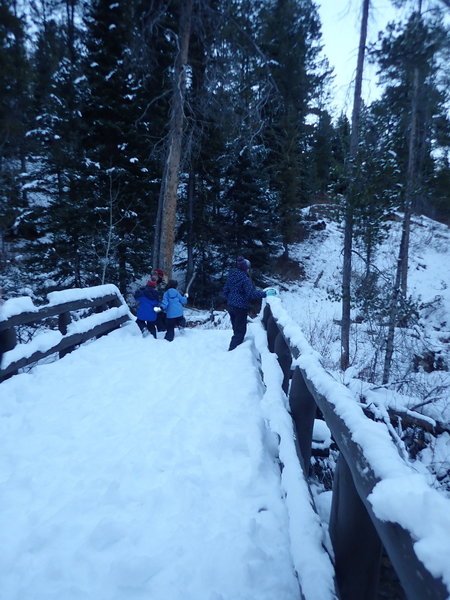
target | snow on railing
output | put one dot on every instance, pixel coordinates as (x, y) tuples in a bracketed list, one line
[(103, 309), (308, 537), (378, 498)]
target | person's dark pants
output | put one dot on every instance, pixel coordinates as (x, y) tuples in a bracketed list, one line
[(161, 321), (170, 325), (238, 318), (151, 326)]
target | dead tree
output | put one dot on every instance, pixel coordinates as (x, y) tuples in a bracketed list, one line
[(349, 204), (167, 205), (401, 275)]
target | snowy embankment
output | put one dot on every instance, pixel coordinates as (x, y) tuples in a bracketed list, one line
[(138, 468), (402, 494), (314, 303), (420, 376)]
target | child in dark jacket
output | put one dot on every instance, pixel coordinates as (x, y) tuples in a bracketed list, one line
[(148, 299), (239, 292), (173, 303)]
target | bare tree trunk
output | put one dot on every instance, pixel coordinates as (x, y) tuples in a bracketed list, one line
[(348, 218), (110, 232), (157, 237), (411, 179), (190, 223), (401, 275), (122, 259), (164, 253)]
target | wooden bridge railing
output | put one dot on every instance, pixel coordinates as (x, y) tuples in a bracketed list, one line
[(60, 332), (369, 473)]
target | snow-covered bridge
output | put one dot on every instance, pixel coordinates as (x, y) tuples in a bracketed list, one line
[(137, 468)]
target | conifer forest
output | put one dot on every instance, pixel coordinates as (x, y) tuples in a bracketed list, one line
[(181, 133)]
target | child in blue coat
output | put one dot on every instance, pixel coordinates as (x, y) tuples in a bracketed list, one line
[(173, 303), (148, 299)]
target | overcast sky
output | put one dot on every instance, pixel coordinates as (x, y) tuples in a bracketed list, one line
[(340, 29)]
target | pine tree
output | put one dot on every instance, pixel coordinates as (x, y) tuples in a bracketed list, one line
[(376, 191), (222, 153), (407, 58), (247, 214), (14, 116), (116, 143), (57, 149), (349, 200), (321, 158), (291, 44)]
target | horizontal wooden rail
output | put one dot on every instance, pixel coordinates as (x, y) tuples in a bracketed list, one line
[(105, 311), (44, 312), (357, 534)]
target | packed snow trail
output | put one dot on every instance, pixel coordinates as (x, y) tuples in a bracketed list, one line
[(140, 469)]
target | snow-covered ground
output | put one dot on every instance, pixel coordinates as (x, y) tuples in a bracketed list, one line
[(135, 468), (138, 468), (314, 304)]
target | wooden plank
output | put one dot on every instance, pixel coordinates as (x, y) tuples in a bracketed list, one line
[(417, 582), (51, 311), (67, 342)]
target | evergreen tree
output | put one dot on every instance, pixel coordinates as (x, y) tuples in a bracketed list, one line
[(222, 151), (321, 158), (57, 149), (351, 190), (376, 191), (439, 204), (14, 116), (116, 144), (247, 218), (291, 44), (407, 58)]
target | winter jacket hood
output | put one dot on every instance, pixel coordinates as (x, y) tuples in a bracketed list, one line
[(172, 303), (147, 298)]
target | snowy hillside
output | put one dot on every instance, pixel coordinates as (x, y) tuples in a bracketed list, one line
[(420, 376), (315, 305)]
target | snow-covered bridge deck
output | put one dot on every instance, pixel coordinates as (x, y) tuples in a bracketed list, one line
[(137, 468)]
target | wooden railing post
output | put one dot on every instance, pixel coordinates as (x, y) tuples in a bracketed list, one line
[(62, 310), (357, 546), (63, 321), (303, 412), (267, 313), (284, 358), (272, 332), (8, 341), (357, 534)]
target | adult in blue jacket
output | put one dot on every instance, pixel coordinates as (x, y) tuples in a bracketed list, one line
[(148, 299), (173, 303), (239, 292)]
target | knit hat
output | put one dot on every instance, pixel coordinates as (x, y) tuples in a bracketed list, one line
[(159, 272), (243, 264), (151, 283)]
